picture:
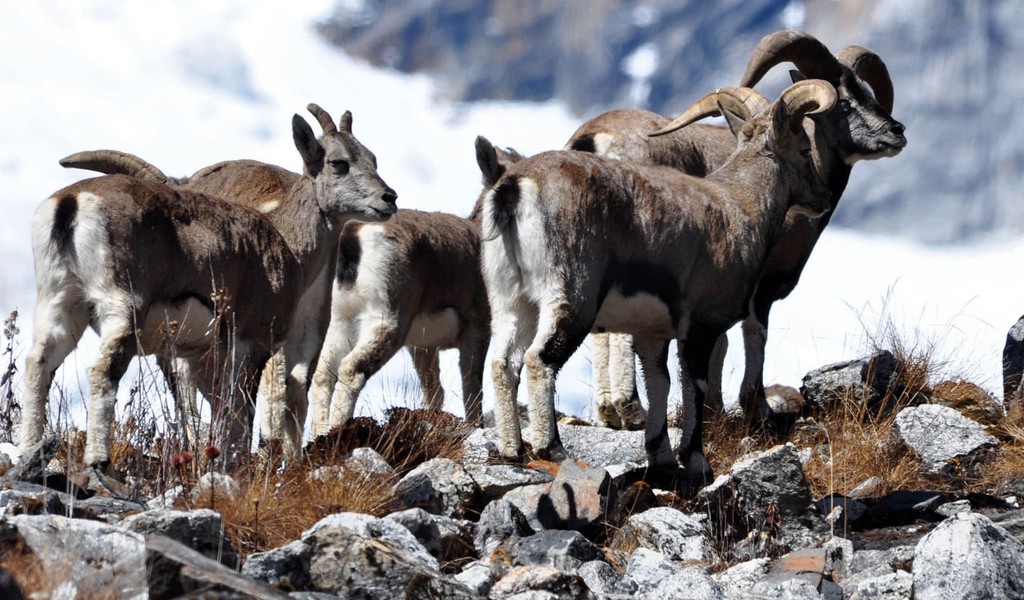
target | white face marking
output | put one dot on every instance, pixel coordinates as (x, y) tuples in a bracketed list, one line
[(642, 314)]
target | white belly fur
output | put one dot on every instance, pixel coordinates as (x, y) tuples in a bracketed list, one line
[(188, 327), (642, 313), (439, 329)]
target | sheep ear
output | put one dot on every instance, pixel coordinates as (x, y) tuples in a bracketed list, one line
[(796, 76), (309, 148), (734, 120), (487, 160)]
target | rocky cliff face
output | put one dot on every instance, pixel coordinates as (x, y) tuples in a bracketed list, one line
[(953, 65)]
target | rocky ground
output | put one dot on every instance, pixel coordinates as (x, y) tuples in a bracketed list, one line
[(471, 527)]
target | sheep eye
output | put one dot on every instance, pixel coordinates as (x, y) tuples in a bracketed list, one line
[(340, 166)]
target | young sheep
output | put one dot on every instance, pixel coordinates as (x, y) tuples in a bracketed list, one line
[(149, 266), (264, 187), (574, 242), (864, 129), (413, 281)]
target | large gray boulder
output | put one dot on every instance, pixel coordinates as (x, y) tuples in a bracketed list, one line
[(604, 583), (286, 567), (864, 381), (501, 524), (601, 447), (386, 531), (765, 483), (968, 557), (939, 434), (691, 583), (668, 531), (85, 558), (560, 549), (898, 585), (201, 530), (440, 486), (740, 578), (548, 581), (647, 568), (578, 498)]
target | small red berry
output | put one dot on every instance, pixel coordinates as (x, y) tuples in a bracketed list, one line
[(212, 452)]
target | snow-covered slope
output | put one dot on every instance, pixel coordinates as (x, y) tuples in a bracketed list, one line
[(188, 83)]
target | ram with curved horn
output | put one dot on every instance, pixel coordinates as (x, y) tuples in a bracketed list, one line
[(152, 267), (861, 128), (574, 243)]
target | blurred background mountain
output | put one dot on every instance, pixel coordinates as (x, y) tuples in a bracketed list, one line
[(954, 66)]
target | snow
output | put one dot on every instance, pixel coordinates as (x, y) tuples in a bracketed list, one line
[(188, 83)]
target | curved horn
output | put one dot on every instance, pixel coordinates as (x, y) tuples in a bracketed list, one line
[(322, 117), (113, 162), (742, 101), (869, 67), (805, 98), (346, 121), (789, 45)]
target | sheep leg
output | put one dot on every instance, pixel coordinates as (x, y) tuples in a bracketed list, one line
[(695, 359), (622, 372), (284, 382), (117, 347), (514, 323), (338, 343), (58, 324), (244, 386), (653, 355), (378, 342), (178, 373), (472, 354), (425, 361), (560, 330), (713, 399), (755, 337), (605, 414)]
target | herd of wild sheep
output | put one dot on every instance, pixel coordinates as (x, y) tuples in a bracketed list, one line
[(247, 277)]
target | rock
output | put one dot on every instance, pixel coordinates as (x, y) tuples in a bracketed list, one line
[(382, 530), (440, 486), (938, 434), (494, 481), (898, 585), (478, 578), (539, 579), (368, 462), (872, 486), (216, 485), (422, 526), (968, 556), (646, 568), (876, 562), (604, 582), (480, 447), (785, 589), (970, 400), (88, 558), (1013, 365), (740, 579), (795, 573), (457, 538), (599, 446), (691, 583), (355, 565), (952, 508), (766, 493), (285, 567), (501, 522), (864, 381), (201, 530), (578, 498), (32, 465), (840, 512), (668, 531), (838, 559), (562, 550), (6, 464), (21, 498)]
